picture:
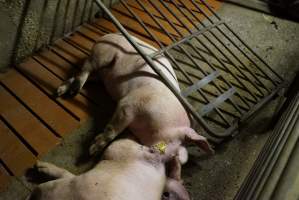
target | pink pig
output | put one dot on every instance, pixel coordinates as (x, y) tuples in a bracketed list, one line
[(145, 104), (128, 171)]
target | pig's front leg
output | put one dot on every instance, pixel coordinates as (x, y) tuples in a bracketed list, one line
[(121, 119), (52, 170), (174, 168)]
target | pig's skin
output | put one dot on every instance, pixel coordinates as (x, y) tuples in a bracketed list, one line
[(145, 104), (128, 171)]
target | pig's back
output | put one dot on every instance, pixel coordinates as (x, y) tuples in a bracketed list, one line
[(128, 71)]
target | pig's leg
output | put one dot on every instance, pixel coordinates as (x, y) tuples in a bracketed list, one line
[(174, 168), (121, 119), (52, 170), (189, 135), (73, 85)]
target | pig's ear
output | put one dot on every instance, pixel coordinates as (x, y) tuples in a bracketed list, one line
[(200, 141)]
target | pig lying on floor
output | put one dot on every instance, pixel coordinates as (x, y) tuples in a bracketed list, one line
[(145, 104), (128, 171)]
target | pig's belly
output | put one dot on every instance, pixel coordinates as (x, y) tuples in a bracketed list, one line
[(114, 181)]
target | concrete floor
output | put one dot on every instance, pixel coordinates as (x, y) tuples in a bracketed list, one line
[(208, 178)]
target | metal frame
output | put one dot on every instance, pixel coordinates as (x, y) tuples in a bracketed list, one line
[(234, 74), (274, 160)]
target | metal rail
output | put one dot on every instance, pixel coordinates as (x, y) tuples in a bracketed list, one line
[(198, 48), (266, 179)]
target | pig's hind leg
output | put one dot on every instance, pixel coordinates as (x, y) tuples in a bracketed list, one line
[(52, 170), (72, 86), (120, 120)]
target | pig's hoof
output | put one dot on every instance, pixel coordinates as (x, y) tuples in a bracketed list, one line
[(98, 145), (95, 149), (61, 90), (43, 167)]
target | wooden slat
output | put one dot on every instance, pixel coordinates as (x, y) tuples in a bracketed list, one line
[(40, 138), (75, 59), (107, 25), (64, 70), (81, 41), (214, 4), (13, 153), (78, 105), (147, 19), (55, 64), (132, 24), (47, 109), (69, 52), (178, 8), (149, 7), (4, 178), (95, 36), (92, 27), (169, 16)]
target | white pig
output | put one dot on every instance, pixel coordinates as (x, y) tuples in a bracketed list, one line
[(145, 104), (128, 171)]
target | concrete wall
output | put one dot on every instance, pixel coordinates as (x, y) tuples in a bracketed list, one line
[(27, 25)]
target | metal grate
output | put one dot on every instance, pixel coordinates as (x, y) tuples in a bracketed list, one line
[(223, 81)]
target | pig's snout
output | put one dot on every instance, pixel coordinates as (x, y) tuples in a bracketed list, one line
[(175, 190)]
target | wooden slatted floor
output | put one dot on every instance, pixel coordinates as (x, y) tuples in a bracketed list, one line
[(32, 121)]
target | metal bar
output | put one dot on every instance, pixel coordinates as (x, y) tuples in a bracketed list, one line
[(156, 69), (51, 38), (231, 101), (242, 41), (182, 23), (65, 16), (199, 90), (189, 37), (84, 11), (242, 63), (69, 41), (214, 44), (196, 64), (206, 80), (215, 103), (143, 25), (260, 104), (40, 25), (167, 54), (91, 10), (206, 91), (228, 84), (271, 150), (75, 14)]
